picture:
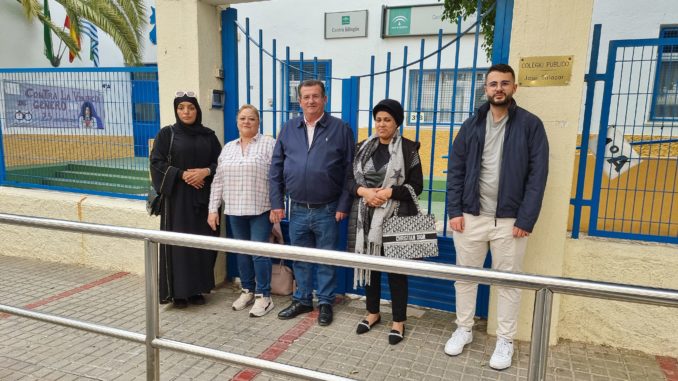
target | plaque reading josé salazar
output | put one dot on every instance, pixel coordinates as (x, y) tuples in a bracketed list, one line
[(545, 71)]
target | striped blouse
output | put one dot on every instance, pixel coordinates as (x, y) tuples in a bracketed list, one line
[(241, 180)]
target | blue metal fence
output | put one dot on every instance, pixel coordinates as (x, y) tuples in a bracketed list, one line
[(631, 190), (83, 130), (437, 92)]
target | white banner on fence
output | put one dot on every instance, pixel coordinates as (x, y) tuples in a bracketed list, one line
[(41, 106), (619, 155)]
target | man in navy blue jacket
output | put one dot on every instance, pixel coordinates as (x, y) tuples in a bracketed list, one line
[(495, 185), (311, 161)]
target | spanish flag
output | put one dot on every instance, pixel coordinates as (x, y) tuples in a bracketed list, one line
[(74, 36)]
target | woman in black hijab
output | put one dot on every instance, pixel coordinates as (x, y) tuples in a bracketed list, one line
[(183, 174)]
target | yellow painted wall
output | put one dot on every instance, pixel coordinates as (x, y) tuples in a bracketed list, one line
[(651, 329), (106, 253), (189, 55), (75, 248), (647, 192), (33, 149)]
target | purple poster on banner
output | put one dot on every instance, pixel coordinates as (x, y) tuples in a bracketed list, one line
[(29, 105)]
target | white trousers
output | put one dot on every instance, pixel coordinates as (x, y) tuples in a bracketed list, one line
[(480, 234)]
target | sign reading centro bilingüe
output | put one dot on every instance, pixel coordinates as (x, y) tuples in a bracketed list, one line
[(346, 24), (545, 71)]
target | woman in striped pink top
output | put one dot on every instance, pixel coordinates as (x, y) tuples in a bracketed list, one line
[(241, 186)]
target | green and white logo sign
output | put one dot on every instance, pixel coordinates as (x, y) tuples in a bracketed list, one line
[(345, 20), (399, 21)]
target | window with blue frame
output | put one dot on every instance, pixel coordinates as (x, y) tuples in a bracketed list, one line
[(665, 95), (467, 79), (322, 71)]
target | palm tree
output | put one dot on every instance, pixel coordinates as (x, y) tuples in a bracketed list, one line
[(123, 20)]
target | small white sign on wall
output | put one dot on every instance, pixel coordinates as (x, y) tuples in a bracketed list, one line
[(346, 24), (619, 155)]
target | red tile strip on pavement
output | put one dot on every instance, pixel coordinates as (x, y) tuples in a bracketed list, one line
[(70, 292), (279, 346), (669, 366)]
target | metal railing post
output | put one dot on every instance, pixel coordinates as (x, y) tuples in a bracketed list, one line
[(152, 312), (541, 326)]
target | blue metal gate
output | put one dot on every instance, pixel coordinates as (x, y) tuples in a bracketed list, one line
[(145, 110), (437, 94), (634, 186)]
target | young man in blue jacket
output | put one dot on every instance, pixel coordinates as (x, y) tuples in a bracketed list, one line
[(495, 184), (311, 161)]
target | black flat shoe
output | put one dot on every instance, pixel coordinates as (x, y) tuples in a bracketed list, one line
[(326, 315), (364, 326), (180, 303), (293, 310), (394, 337), (198, 300)]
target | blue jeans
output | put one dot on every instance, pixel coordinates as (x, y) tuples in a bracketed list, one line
[(316, 228), (253, 228)]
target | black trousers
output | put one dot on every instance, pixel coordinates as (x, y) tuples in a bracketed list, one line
[(398, 285)]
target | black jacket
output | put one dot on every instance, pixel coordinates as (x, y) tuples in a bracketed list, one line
[(414, 177), (524, 167)]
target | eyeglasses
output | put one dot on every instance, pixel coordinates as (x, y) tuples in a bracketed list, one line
[(182, 93), (494, 85)]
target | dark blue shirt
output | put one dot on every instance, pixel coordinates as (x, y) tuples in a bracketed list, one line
[(315, 175)]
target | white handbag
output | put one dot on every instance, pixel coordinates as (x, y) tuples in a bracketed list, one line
[(410, 237)]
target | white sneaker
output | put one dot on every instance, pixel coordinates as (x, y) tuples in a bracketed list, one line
[(262, 305), (455, 345), (503, 353), (245, 299)]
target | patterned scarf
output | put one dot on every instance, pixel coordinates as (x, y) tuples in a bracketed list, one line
[(369, 233)]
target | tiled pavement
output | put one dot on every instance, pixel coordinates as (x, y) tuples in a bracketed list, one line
[(31, 350)]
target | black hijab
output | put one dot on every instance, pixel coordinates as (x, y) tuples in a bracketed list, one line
[(196, 128)]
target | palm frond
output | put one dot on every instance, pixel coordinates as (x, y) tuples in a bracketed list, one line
[(135, 11), (31, 8)]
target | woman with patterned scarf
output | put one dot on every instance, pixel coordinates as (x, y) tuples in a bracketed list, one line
[(384, 166)]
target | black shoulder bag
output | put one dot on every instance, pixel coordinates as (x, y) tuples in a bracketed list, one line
[(154, 200)]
